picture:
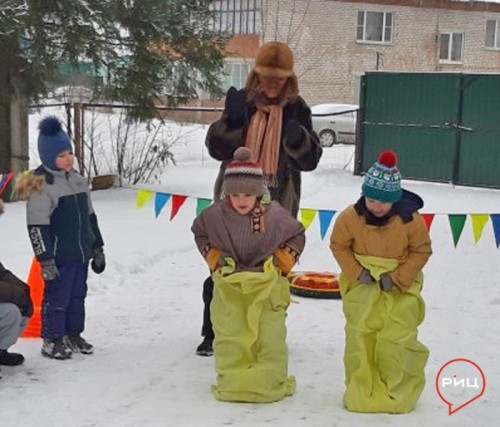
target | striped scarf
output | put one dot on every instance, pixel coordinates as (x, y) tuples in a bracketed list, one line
[(264, 138)]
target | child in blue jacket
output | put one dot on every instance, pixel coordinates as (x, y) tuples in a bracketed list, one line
[(65, 236)]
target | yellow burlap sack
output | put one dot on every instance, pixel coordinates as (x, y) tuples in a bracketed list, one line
[(248, 314), (384, 362)]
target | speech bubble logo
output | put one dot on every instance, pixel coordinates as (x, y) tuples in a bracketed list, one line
[(460, 382)]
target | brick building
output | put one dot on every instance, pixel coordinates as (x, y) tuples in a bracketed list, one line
[(336, 41)]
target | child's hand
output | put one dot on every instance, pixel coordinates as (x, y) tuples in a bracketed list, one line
[(213, 258), (365, 277), (98, 263), (49, 270), (386, 282)]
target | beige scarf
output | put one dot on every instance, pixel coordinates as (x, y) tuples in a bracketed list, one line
[(264, 138)]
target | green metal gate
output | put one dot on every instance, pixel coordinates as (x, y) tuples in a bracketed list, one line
[(444, 126)]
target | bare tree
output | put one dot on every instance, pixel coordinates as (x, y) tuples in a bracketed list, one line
[(285, 20)]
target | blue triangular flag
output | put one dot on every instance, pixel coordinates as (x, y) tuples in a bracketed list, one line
[(495, 220), (160, 201), (325, 218)]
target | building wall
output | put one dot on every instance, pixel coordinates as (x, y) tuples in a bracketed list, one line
[(329, 60), (239, 46)]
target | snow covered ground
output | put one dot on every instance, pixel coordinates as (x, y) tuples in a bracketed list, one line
[(144, 316)]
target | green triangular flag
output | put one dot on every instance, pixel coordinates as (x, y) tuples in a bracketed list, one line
[(202, 204), (457, 223)]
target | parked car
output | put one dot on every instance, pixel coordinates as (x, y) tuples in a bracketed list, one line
[(335, 123)]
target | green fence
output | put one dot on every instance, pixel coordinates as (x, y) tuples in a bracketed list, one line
[(444, 126)]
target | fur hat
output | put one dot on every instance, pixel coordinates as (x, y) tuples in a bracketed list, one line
[(383, 180), (52, 141), (242, 175), (274, 59)]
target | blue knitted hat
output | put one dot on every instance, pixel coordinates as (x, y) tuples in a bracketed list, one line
[(383, 180), (52, 141)]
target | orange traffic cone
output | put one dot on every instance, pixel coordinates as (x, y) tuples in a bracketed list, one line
[(36, 283)]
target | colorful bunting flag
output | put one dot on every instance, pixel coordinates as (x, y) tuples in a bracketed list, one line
[(428, 218), (142, 197), (177, 202), (4, 181), (478, 223), (201, 205), (307, 216), (457, 223), (161, 200), (495, 221), (325, 218)]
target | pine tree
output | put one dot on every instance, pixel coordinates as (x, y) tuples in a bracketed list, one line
[(137, 44)]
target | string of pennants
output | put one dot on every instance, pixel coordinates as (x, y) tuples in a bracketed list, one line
[(307, 215)]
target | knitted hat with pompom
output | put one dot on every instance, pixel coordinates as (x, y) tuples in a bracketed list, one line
[(52, 141), (242, 175), (383, 180)]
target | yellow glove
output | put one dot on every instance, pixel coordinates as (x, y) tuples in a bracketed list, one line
[(284, 260)]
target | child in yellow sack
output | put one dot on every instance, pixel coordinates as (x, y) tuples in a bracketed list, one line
[(381, 244), (250, 247)]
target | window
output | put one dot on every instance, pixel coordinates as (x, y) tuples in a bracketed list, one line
[(237, 16), (235, 74), (451, 47), (180, 81), (493, 33), (374, 27)]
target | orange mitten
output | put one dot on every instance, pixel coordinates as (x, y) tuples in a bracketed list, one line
[(284, 260), (212, 258)]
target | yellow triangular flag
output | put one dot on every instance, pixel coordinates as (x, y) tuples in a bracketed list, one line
[(142, 197), (478, 223), (307, 216)]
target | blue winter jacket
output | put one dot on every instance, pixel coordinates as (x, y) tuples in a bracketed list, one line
[(61, 221)]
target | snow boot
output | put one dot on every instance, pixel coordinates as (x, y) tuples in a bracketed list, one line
[(10, 359), (77, 344), (56, 349), (205, 348)]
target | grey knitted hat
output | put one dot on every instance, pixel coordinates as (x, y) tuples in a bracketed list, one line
[(242, 175)]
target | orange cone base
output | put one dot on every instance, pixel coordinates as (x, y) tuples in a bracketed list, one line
[(34, 328), (36, 284)]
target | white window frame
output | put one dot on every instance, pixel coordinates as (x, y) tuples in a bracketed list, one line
[(237, 16), (496, 34), (238, 79), (448, 59), (361, 33)]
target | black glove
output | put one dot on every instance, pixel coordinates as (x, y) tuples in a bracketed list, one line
[(49, 270), (293, 134), (386, 282), (365, 277), (98, 263), (235, 106)]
